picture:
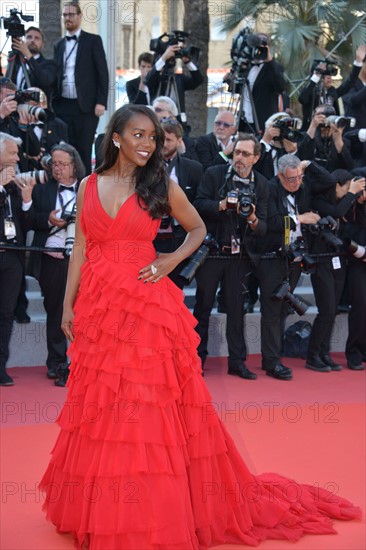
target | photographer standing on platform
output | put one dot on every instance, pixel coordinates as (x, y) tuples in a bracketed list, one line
[(233, 203), (53, 219), (290, 194), (162, 80), (320, 89)]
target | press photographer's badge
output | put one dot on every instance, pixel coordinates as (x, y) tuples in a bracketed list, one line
[(235, 245), (336, 262), (9, 229)]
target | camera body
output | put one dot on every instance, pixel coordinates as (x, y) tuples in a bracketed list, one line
[(325, 228), (289, 129), (23, 96), (13, 24), (297, 254), (70, 218), (160, 44), (241, 201), (246, 49), (209, 245), (331, 69)]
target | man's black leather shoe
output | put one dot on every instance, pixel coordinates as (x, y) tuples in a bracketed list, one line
[(6, 380), (51, 374), (242, 371), (329, 361), (22, 318), (353, 366), (315, 363), (280, 372)]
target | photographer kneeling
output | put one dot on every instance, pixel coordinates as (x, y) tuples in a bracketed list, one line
[(233, 204), (53, 219), (290, 195)]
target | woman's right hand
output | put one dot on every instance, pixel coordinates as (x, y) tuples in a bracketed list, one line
[(67, 323)]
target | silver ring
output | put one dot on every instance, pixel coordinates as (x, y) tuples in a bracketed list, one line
[(154, 269)]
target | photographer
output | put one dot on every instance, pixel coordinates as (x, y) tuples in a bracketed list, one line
[(320, 89), (215, 147), (162, 80), (257, 77), (136, 89), (233, 204), (324, 141), (53, 218), (15, 120), (280, 137), (329, 278), (290, 194), (15, 200), (41, 72), (355, 234)]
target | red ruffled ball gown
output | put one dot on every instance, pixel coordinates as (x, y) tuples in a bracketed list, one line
[(141, 461)]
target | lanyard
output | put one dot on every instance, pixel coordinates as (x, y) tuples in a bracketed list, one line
[(69, 55)]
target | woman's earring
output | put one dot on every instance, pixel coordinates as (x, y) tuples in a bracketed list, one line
[(116, 143)]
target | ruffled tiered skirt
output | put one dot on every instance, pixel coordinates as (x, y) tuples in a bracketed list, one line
[(142, 460)]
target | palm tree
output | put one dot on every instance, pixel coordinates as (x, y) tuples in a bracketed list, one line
[(196, 22), (304, 30)]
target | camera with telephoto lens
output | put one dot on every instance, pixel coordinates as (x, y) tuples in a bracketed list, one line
[(338, 121), (23, 96), (325, 228), (297, 254), (160, 44), (70, 218), (289, 129), (283, 292), (13, 24), (41, 176), (209, 245), (242, 201), (331, 69)]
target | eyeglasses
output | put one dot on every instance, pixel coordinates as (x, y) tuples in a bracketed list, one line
[(244, 154), (57, 163), (169, 120), (293, 179), (160, 110), (222, 123), (70, 14)]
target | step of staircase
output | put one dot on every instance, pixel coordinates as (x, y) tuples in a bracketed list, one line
[(28, 342)]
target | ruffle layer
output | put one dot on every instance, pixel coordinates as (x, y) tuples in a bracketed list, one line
[(142, 460)]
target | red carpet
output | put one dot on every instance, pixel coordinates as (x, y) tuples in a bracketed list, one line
[(311, 429)]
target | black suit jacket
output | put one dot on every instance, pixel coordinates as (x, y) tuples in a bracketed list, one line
[(267, 86), (132, 88), (183, 81), (189, 174), (208, 151), (316, 180), (20, 218), (42, 74), (91, 71), (207, 201), (355, 103)]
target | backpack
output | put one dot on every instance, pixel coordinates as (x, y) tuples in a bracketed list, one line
[(296, 340)]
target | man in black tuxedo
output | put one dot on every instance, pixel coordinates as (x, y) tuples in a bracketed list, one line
[(161, 79), (15, 200), (187, 174), (290, 194), (82, 87), (136, 88), (50, 202), (236, 235), (42, 72), (320, 89), (266, 82), (216, 147)]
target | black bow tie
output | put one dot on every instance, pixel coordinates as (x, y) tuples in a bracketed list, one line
[(65, 188), (74, 37)]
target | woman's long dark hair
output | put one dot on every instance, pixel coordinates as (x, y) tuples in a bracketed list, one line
[(152, 181)]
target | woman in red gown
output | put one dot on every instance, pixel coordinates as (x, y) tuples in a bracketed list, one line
[(142, 461)]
